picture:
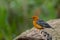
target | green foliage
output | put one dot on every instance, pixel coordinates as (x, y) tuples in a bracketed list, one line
[(39, 2)]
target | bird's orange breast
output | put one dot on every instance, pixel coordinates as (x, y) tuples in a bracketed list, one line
[(36, 25)]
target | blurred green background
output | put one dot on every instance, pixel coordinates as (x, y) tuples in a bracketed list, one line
[(15, 14)]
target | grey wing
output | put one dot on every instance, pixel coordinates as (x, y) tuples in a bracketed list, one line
[(43, 24)]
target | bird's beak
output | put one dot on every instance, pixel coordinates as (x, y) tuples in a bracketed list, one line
[(29, 18)]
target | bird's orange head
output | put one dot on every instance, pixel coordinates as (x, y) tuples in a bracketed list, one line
[(35, 18)]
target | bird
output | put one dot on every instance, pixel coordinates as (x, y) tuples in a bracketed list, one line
[(39, 23)]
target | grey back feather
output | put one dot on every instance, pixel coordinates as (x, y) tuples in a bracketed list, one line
[(43, 24)]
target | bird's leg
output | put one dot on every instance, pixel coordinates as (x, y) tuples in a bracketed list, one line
[(38, 30)]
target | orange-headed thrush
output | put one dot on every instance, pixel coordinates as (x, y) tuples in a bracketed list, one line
[(40, 24)]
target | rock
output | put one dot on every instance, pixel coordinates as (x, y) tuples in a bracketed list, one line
[(56, 31), (46, 34), (34, 35)]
